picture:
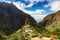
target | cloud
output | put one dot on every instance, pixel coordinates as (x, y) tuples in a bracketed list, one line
[(2, 0), (34, 1), (5, 1), (19, 5), (47, 5), (22, 5), (30, 5), (36, 12), (40, 11), (38, 18), (55, 6)]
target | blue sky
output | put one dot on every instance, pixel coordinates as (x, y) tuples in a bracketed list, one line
[(36, 8)]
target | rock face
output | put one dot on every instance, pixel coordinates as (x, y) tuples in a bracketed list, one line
[(49, 19), (12, 18)]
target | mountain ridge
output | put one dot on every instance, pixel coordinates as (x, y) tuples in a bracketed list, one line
[(11, 18), (49, 19)]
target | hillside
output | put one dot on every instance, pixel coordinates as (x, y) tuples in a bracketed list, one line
[(50, 19), (51, 25), (12, 19)]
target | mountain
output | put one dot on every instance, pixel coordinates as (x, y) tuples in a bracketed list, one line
[(50, 19), (11, 18), (50, 25)]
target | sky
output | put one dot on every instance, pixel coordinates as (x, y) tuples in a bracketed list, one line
[(38, 9)]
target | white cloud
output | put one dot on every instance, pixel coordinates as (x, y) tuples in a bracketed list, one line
[(55, 6), (19, 5), (8, 1), (39, 18), (30, 5), (47, 5), (40, 11), (23, 5), (2, 0), (32, 2), (52, 0), (36, 1), (37, 12)]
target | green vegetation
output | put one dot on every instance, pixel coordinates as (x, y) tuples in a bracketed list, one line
[(52, 30), (27, 32)]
